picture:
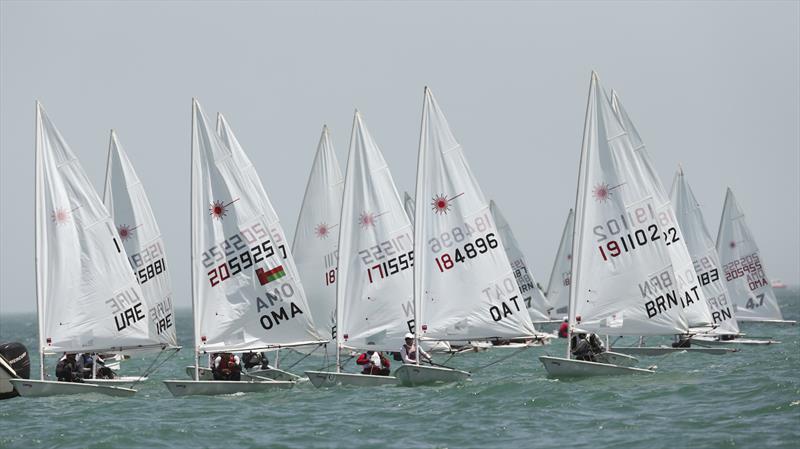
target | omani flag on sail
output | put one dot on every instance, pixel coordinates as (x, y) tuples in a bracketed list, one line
[(88, 299), (532, 295), (558, 286), (704, 255), (464, 286), (742, 267), (376, 258), (625, 279), (126, 200), (316, 238), (246, 290)]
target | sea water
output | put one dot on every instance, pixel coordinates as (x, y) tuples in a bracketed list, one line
[(746, 399)]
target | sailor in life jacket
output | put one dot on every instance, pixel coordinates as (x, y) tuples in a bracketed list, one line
[(563, 330), (409, 351), (67, 369), (257, 360), (375, 363), (227, 367)]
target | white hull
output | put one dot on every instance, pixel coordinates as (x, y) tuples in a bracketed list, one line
[(662, 350), (217, 387), (327, 379), (271, 373), (121, 380), (744, 320), (714, 341), (616, 358), (559, 367), (42, 388), (414, 375)]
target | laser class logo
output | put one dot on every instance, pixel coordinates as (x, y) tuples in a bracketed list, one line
[(441, 204), (602, 192), (368, 219), (322, 231), (61, 216), (219, 209), (125, 231)]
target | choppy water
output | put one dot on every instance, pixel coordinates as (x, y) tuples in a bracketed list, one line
[(747, 399)]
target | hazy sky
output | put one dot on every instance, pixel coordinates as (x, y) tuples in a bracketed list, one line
[(714, 86)]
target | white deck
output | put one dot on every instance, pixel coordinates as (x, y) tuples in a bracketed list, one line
[(616, 358), (560, 367), (218, 387), (714, 341), (415, 375), (329, 379), (271, 373), (663, 350), (42, 388)]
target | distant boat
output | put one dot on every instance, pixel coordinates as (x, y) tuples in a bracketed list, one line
[(777, 283)]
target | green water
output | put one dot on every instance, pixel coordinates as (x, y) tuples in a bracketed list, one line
[(747, 399)]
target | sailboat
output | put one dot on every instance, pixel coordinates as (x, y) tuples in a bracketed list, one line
[(707, 266), (316, 237), (88, 300), (558, 286), (125, 199), (629, 275), (743, 268), (246, 294), (464, 287), (374, 292), (532, 295)]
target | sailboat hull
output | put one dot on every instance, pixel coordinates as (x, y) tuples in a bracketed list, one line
[(270, 373), (663, 350), (219, 387), (43, 388), (560, 367), (327, 379), (416, 375), (713, 341), (121, 380)]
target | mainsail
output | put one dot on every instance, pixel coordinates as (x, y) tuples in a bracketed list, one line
[(316, 238), (743, 269), (464, 286), (88, 299), (697, 313), (558, 286), (626, 280), (704, 255), (245, 287), (374, 291), (532, 294), (125, 198)]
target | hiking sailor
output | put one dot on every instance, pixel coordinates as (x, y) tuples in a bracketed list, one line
[(409, 351)]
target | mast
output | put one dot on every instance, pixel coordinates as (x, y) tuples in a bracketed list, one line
[(583, 173), (419, 225), (38, 219), (192, 226)]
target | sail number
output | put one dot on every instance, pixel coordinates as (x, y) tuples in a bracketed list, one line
[(460, 233), (638, 238), (469, 251), (391, 266), (385, 249), (749, 264), (243, 261), (151, 271)]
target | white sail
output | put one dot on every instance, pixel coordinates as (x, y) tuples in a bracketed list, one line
[(245, 287), (408, 204), (697, 313), (558, 286), (316, 238), (533, 297), (87, 297), (704, 255), (464, 286), (376, 258), (742, 266), (124, 197), (625, 280)]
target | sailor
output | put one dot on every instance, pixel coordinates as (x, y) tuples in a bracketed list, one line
[(255, 359), (67, 369), (227, 366), (375, 363), (595, 344), (409, 351), (581, 349), (563, 330)]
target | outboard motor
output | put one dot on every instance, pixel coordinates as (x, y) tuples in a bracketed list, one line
[(14, 364)]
